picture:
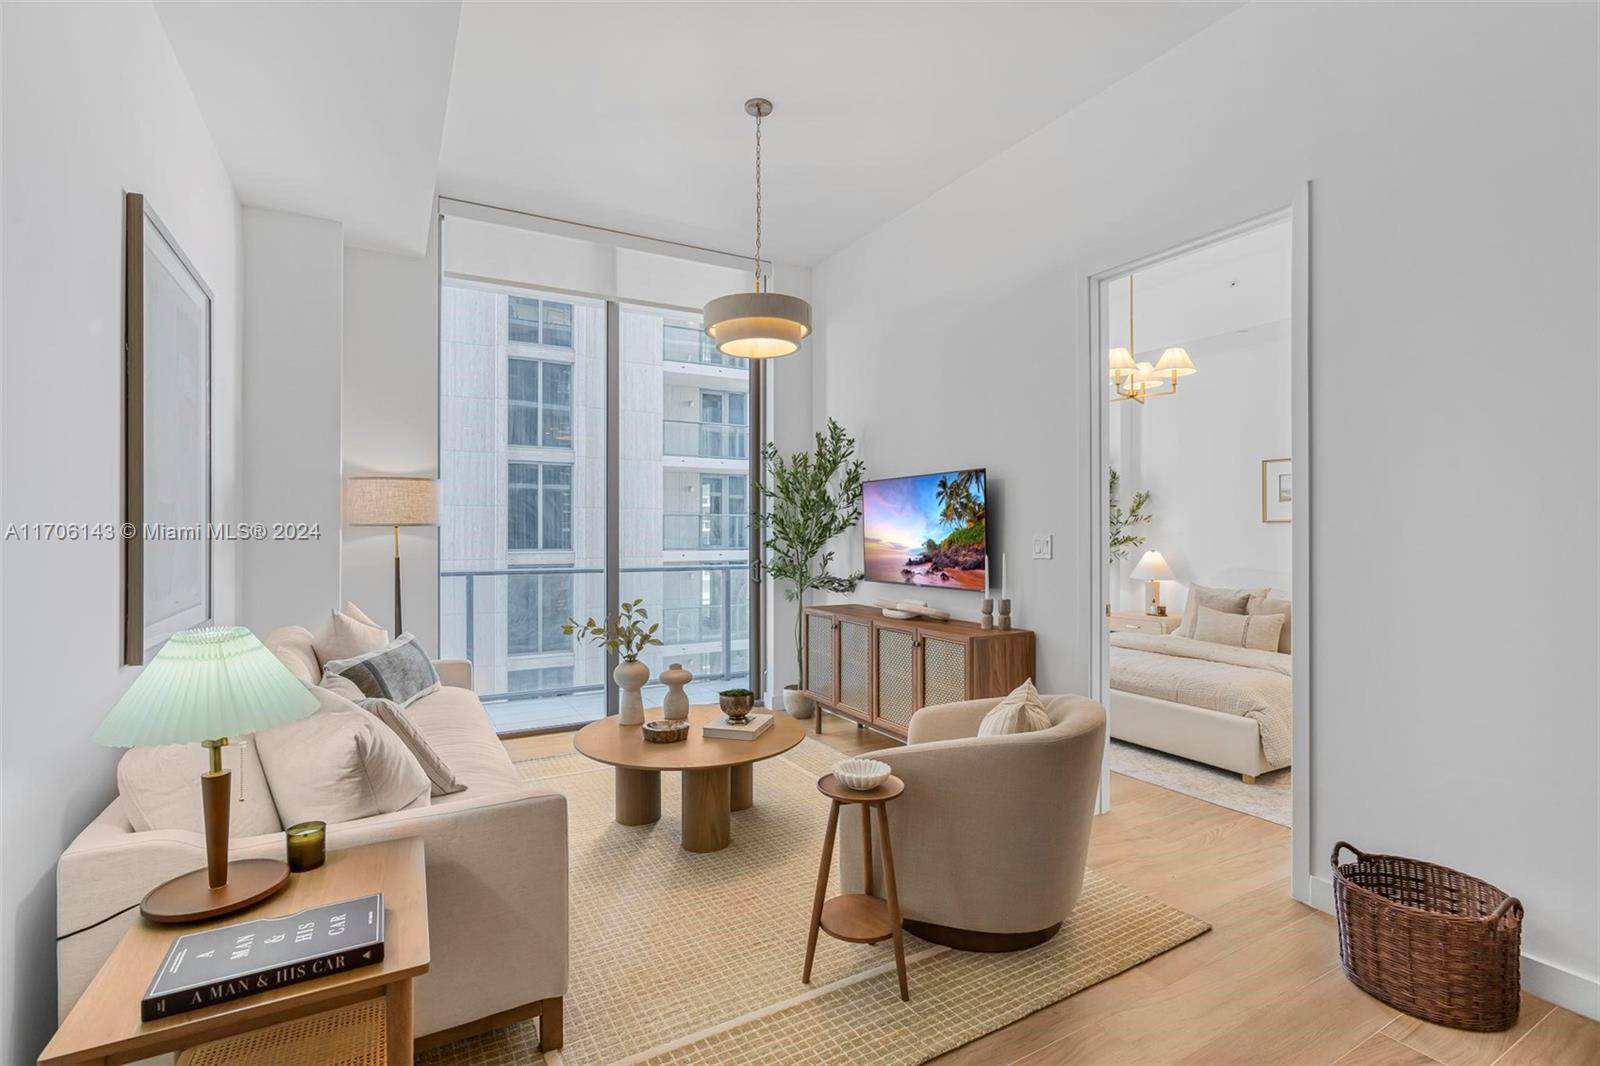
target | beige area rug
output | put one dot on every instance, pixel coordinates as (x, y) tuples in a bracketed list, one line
[(683, 958), (1270, 797)]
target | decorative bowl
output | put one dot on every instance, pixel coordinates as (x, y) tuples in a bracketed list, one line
[(665, 730), (736, 708), (863, 775)]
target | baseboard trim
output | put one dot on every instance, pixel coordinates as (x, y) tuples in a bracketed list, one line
[(1545, 979)]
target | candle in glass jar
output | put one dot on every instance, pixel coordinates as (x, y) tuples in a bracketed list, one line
[(307, 844)]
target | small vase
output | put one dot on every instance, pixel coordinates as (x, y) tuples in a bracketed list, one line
[(675, 704), (630, 678)]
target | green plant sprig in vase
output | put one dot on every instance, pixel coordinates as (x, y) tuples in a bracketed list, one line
[(628, 633)]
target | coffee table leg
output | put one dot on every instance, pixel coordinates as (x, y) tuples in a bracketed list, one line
[(397, 1008), (822, 889), (892, 896), (741, 787), (705, 809), (638, 796)]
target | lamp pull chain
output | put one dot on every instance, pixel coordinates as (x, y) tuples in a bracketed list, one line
[(758, 201)]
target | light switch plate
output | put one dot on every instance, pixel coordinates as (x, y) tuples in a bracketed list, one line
[(1041, 545)]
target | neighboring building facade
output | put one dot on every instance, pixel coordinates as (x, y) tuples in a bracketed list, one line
[(523, 466)]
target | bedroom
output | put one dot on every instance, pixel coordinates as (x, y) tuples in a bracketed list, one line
[(1200, 580)]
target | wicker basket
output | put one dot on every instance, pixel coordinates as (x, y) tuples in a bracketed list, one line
[(1429, 940)]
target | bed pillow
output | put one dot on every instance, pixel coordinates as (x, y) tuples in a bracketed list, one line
[(399, 670), (344, 636), (1262, 605), (442, 778), (1257, 631), (1228, 601), (1022, 711)]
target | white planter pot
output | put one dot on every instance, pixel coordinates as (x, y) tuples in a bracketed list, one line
[(631, 678), (797, 703)]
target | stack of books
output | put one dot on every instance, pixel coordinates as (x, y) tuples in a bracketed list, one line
[(721, 729)]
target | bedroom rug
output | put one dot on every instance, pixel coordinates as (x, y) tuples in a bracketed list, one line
[(1268, 798), (682, 958)]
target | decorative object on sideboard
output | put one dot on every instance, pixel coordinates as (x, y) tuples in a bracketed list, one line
[(736, 703), (166, 443), (206, 685), (1433, 942), (905, 609), (392, 501), (1137, 381), (1005, 614), (986, 619), (307, 844), (862, 775), (1122, 523), (759, 324), (675, 704), (625, 634), (806, 500), (1277, 490), (665, 730), (1152, 569)]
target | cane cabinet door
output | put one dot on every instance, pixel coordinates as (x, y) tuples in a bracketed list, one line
[(822, 657), (855, 664)]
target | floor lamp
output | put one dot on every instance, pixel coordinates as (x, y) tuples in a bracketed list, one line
[(392, 501)]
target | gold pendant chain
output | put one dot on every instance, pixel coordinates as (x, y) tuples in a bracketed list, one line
[(758, 201)]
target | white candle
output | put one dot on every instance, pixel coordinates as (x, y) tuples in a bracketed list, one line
[(985, 575), (1003, 595)]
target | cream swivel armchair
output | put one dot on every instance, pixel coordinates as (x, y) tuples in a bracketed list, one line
[(991, 834)]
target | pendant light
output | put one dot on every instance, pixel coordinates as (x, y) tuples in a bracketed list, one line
[(759, 324)]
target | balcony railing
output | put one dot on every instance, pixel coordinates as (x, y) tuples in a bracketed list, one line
[(705, 532), (683, 345), (723, 622), (706, 440)]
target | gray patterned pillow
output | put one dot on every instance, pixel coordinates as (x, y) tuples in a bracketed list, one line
[(399, 671)]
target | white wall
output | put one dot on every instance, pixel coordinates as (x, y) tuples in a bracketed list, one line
[(1448, 729), (293, 337), (391, 424), (94, 105)]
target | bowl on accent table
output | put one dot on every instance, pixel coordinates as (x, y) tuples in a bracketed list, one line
[(863, 775), (665, 730), (736, 703)]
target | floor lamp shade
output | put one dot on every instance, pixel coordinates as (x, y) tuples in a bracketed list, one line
[(392, 501)]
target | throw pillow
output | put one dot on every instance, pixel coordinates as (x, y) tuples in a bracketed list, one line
[(339, 765), (1258, 631), (361, 616), (399, 670), (441, 776), (344, 636), (1228, 601), (340, 685), (160, 788), (1022, 711), (1262, 605)]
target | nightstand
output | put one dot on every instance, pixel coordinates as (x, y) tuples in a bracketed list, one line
[(1139, 622)]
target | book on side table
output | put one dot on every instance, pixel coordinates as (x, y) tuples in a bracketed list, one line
[(720, 728)]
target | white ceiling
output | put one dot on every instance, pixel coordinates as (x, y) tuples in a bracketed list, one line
[(631, 115), (333, 110)]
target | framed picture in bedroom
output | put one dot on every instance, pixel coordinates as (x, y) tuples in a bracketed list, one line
[(166, 447), (1277, 490)]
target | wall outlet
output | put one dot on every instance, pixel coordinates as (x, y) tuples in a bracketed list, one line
[(1041, 545)]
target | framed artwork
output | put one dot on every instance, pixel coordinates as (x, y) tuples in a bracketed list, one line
[(166, 446), (1277, 490)]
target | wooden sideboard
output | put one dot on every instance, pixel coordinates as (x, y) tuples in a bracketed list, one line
[(880, 671)]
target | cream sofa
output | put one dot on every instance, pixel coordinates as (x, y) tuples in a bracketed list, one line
[(496, 860), (991, 834)]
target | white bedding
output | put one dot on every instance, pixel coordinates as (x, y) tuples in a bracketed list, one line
[(1243, 681)]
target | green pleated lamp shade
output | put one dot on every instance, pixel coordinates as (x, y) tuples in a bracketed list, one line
[(205, 684)]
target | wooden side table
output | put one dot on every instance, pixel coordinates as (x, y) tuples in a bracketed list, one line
[(860, 918)]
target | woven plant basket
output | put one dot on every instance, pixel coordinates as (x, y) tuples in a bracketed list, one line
[(1428, 940)]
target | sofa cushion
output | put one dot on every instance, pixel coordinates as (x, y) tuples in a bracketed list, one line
[(400, 671), (344, 636), (394, 716), (293, 647), (338, 765), (454, 723), (160, 788)]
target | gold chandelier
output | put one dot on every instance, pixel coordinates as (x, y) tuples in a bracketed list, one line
[(759, 324), (1139, 381)]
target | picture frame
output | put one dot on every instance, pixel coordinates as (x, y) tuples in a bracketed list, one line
[(166, 333), (1277, 490)]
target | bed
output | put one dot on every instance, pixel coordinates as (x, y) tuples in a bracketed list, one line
[(1225, 706)]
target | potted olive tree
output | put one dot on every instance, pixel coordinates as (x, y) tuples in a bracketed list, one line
[(807, 499)]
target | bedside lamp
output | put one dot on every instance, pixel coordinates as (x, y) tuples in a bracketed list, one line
[(1153, 570), (207, 685), (392, 501)]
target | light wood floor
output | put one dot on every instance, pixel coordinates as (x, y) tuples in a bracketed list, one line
[(1263, 986)]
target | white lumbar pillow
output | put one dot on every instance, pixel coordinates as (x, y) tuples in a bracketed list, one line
[(1020, 712), (338, 765)]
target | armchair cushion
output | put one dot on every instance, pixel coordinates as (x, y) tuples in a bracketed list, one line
[(1020, 712)]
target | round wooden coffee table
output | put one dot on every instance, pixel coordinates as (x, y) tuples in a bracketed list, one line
[(718, 775)]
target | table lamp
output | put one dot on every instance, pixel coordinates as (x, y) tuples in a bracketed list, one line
[(392, 501), (1153, 570), (207, 685)]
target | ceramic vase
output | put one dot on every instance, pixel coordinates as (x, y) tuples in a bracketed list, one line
[(675, 704), (631, 678), (797, 703)]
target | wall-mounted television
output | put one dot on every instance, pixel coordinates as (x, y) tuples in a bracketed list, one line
[(930, 530)]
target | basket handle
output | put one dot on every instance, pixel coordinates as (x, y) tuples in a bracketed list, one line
[(1333, 860), (1506, 904)]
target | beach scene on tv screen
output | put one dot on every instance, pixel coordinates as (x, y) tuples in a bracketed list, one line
[(930, 530)]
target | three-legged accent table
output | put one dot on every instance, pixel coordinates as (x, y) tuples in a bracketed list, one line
[(861, 918)]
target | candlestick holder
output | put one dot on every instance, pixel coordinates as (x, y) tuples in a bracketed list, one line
[(1005, 614), (986, 618)]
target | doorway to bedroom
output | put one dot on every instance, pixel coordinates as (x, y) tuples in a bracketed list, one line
[(1198, 381)]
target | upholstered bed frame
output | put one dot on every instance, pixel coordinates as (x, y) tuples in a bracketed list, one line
[(1230, 741)]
